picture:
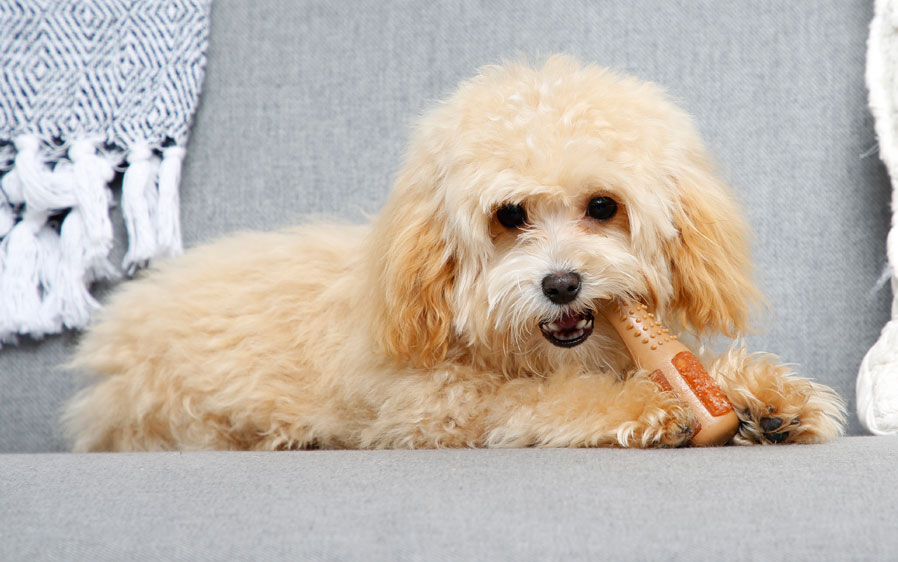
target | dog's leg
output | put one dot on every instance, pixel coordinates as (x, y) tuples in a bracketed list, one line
[(122, 413), (580, 410), (115, 415), (773, 404)]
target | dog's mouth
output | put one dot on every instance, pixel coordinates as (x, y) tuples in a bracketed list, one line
[(570, 330)]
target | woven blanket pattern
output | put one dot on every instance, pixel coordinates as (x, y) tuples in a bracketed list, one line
[(88, 88)]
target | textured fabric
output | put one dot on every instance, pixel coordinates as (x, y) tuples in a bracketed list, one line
[(86, 87), (790, 503), (306, 107), (877, 381), (130, 70)]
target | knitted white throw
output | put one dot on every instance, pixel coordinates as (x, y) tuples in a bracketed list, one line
[(89, 87), (877, 381)]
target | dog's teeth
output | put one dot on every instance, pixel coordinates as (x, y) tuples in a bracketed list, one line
[(571, 336), (581, 324), (588, 323), (553, 327)]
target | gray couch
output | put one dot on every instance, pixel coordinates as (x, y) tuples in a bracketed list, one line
[(306, 109)]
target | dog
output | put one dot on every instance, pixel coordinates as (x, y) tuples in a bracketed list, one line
[(468, 312)]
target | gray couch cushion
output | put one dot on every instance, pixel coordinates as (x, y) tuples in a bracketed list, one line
[(791, 503), (306, 109)]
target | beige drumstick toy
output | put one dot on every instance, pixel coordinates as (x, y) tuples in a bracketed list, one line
[(675, 368)]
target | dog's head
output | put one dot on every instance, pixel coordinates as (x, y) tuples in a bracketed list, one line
[(533, 197)]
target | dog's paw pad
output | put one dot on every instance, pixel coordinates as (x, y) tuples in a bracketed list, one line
[(770, 424), (776, 437)]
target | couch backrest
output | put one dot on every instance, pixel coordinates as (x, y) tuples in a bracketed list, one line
[(306, 109)]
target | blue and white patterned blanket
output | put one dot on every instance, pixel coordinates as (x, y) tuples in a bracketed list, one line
[(88, 88)]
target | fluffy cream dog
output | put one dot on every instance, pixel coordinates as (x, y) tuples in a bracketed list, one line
[(467, 313)]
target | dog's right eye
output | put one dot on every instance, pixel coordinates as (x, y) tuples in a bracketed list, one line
[(511, 215), (602, 208)]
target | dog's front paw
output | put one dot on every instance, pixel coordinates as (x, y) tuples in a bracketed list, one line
[(776, 406), (766, 425), (817, 417), (664, 422)]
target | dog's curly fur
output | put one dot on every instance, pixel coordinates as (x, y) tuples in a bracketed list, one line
[(426, 327)]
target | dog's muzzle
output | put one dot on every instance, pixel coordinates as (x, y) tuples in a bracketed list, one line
[(570, 330)]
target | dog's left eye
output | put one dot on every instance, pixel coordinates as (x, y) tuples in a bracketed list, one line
[(512, 215), (602, 208)]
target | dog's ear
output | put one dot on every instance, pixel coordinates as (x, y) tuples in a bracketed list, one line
[(415, 271), (710, 261)]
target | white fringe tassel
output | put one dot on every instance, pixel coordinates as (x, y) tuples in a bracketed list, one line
[(91, 174), (21, 286), (45, 276), (168, 222), (139, 198)]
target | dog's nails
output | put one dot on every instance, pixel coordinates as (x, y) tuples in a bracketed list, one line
[(770, 424)]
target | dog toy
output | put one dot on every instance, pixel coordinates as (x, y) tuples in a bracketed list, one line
[(675, 368)]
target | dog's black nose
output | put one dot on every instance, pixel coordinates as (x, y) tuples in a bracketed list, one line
[(561, 288)]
